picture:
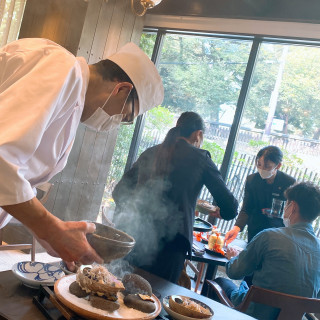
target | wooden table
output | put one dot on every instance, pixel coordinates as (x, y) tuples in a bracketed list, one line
[(16, 299), (213, 262)]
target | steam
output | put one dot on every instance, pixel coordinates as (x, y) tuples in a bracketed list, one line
[(119, 268), (146, 213)]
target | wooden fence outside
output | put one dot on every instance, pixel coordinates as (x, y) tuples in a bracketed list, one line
[(289, 143)]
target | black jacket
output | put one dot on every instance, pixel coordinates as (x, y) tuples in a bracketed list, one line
[(166, 207), (258, 195)]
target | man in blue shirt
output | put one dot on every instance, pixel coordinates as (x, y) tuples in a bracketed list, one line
[(282, 259)]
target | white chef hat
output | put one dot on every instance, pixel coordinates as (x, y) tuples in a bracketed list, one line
[(143, 73)]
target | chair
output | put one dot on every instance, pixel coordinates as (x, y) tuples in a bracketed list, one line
[(291, 307)]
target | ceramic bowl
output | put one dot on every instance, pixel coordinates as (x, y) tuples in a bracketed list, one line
[(178, 316), (34, 274), (110, 243)]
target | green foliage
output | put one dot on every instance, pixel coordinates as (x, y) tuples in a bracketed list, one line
[(291, 160), (159, 118), (120, 154), (299, 94), (201, 73), (215, 150), (257, 144), (147, 43)]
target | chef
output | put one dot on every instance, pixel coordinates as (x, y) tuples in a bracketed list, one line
[(45, 92)]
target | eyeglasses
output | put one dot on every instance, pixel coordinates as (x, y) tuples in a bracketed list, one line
[(129, 119)]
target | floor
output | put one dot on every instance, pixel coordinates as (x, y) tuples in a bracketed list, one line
[(220, 273)]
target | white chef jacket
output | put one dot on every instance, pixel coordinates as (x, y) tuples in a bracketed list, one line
[(42, 92)]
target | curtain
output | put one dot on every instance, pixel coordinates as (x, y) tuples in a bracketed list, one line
[(11, 12)]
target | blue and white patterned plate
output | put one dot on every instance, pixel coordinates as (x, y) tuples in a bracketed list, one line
[(33, 274)]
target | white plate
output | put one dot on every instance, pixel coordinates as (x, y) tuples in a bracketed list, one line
[(178, 316), (34, 274), (83, 307)]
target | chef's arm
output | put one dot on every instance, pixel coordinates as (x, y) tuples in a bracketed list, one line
[(67, 239)]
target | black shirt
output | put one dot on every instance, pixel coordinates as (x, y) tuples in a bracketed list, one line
[(258, 195), (167, 205)]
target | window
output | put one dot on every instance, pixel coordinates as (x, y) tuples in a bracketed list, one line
[(282, 110), (11, 12), (278, 102), (200, 73)]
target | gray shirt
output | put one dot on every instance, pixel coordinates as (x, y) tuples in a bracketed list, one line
[(283, 259)]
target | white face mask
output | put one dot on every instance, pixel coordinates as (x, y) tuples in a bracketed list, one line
[(286, 221), (101, 121), (266, 174)]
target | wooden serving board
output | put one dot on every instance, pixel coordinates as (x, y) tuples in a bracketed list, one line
[(83, 307)]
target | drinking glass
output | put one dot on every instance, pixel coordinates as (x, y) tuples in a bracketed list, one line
[(277, 208)]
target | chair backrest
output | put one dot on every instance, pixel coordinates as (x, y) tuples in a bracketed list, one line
[(291, 307), (215, 288)]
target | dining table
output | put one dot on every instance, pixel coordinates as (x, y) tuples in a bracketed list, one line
[(16, 300), (213, 261)]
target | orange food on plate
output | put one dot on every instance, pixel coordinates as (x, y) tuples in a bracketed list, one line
[(218, 249), (198, 235), (216, 243)]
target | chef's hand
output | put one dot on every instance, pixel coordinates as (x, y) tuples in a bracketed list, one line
[(65, 239), (231, 235), (68, 240), (71, 266), (231, 252)]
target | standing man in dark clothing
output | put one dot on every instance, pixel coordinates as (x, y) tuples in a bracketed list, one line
[(156, 199), (261, 188)]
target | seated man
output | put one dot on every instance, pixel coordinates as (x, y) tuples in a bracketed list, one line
[(282, 259)]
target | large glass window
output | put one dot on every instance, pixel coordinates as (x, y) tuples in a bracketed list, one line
[(204, 73), (282, 109), (201, 74)]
